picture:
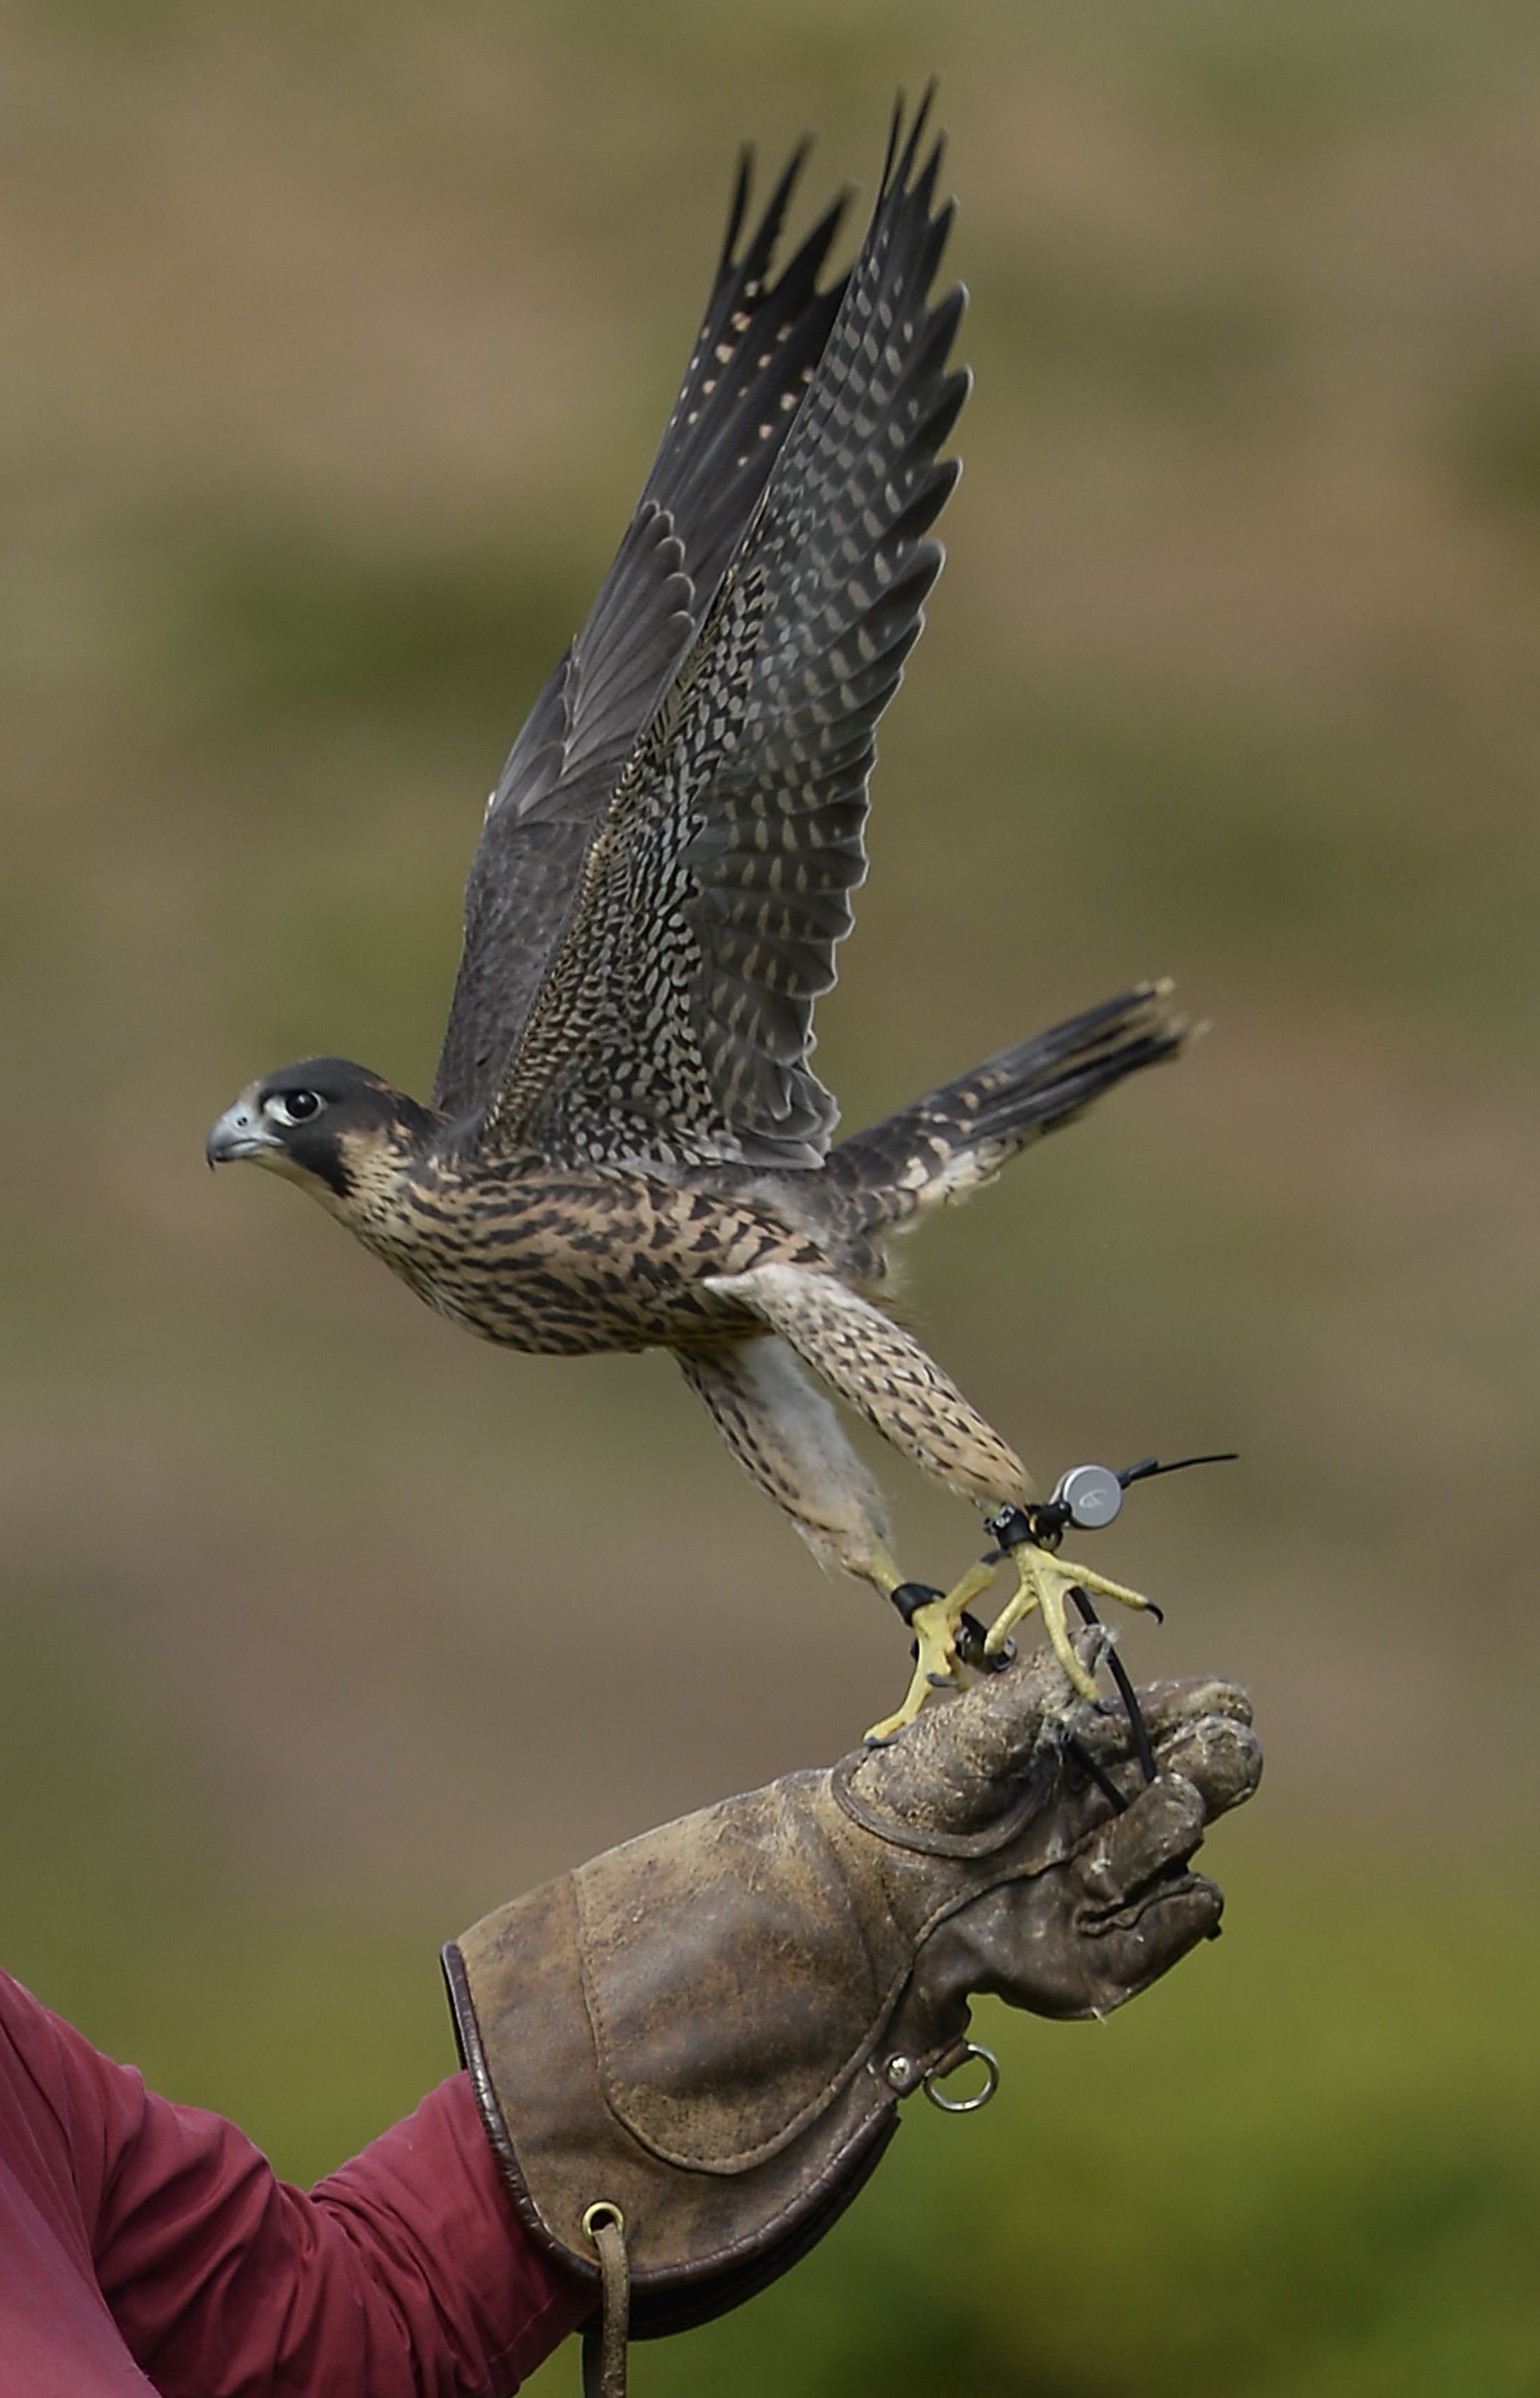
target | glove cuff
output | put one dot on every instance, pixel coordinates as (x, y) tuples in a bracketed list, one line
[(700, 2240)]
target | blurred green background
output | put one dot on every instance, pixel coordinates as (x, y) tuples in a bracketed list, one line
[(337, 338)]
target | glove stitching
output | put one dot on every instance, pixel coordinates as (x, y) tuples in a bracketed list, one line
[(930, 1843)]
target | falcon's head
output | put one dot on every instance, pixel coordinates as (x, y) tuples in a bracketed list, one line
[(345, 1134)]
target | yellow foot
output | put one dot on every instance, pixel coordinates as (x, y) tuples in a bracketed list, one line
[(1043, 1580), (935, 1625)]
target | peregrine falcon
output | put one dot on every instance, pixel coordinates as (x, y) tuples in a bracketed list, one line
[(626, 1146)]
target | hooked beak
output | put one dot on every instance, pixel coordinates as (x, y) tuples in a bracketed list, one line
[(239, 1133)]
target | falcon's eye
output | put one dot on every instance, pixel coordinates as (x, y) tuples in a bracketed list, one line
[(294, 1107)]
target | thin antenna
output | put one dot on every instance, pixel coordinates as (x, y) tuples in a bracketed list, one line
[(1148, 1467)]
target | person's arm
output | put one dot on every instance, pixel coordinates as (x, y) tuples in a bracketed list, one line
[(406, 2272)]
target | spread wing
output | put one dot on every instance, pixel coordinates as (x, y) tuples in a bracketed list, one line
[(675, 1020), (757, 347)]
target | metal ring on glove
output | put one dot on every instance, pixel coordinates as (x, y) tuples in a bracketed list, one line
[(932, 2083)]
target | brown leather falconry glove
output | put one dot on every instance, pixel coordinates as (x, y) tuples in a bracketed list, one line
[(703, 2037)]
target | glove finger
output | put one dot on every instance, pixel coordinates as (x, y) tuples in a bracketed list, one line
[(1220, 1756), (1047, 1944), (1166, 1708), (963, 1757), (1161, 1829), (1122, 1954), (1167, 1703)]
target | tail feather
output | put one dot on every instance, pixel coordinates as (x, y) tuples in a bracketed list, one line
[(940, 1149)]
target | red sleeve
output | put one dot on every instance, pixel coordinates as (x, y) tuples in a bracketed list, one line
[(407, 2272)]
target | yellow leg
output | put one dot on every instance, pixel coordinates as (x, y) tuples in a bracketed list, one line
[(1042, 1581), (935, 1625)]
